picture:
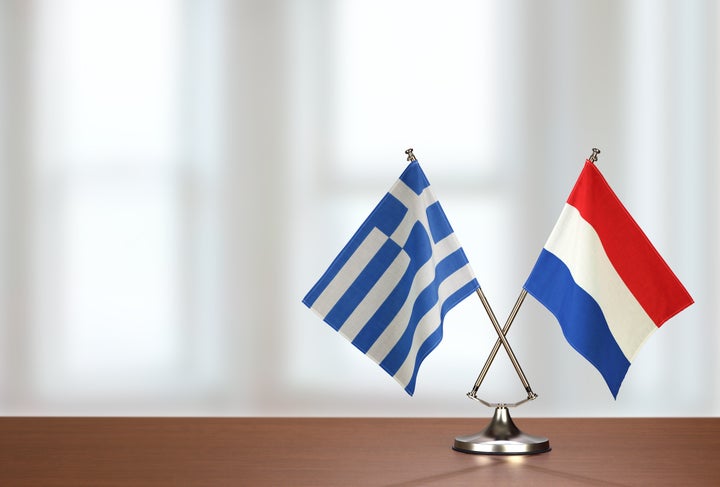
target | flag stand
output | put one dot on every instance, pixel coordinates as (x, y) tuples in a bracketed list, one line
[(501, 436)]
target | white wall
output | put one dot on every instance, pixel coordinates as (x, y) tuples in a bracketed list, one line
[(175, 175)]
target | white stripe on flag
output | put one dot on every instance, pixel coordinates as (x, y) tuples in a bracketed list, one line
[(417, 204), (575, 242), (349, 272), (431, 321), (410, 198)]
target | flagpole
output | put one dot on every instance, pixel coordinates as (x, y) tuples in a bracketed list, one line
[(501, 333), (501, 338), (502, 341), (410, 155), (501, 436)]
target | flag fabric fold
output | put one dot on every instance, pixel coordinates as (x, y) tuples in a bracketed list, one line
[(389, 289), (601, 277)]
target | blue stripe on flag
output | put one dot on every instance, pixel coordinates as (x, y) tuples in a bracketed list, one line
[(439, 224), (386, 217), (419, 250), (361, 286), (425, 301), (414, 178), (580, 317)]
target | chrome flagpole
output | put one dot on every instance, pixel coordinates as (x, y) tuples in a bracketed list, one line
[(501, 341), (502, 436), (501, 334)]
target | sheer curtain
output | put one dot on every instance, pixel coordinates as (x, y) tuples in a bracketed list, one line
[(112, 215), (177, 174)]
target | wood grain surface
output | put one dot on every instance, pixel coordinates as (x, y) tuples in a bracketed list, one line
[(65, 451)]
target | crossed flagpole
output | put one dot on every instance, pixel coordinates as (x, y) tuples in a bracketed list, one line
[(501, 436), (502, 339), (502, 336)]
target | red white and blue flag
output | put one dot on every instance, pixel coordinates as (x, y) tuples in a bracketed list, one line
[(600, 276)]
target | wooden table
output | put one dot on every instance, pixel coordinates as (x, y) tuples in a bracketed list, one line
[(350, 451)]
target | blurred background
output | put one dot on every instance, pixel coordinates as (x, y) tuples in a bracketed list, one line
[(176, 174)]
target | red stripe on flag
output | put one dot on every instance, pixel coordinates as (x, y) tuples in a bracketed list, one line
[(640, 266)]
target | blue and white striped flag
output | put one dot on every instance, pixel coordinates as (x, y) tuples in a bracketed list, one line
[(389, 289)]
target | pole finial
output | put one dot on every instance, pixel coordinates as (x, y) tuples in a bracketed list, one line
[(594, 157), (410, 155)]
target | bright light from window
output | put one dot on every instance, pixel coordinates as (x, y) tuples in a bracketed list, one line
[(109, 282), (108, 82), (415, 73)]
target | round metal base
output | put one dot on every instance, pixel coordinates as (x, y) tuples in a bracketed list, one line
[(501, 437)]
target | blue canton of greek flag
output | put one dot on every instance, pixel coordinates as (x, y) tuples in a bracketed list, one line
[(389, 289)]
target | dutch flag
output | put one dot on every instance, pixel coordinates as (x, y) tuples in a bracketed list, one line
[(603, 280)]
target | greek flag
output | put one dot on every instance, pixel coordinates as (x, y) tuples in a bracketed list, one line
[(389, 289)]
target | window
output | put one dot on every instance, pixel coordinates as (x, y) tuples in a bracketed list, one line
[(124, 202)]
